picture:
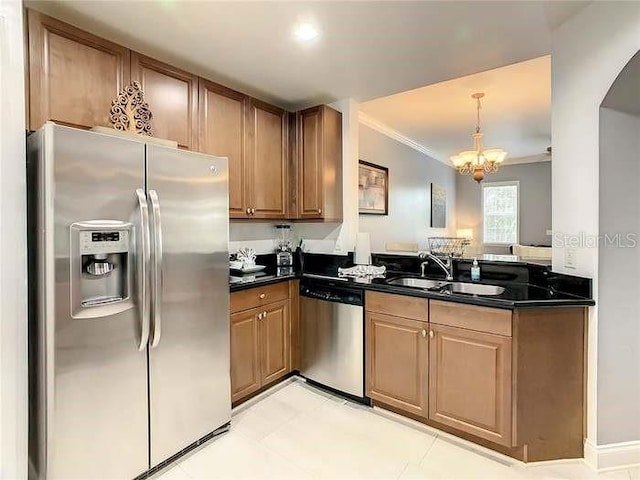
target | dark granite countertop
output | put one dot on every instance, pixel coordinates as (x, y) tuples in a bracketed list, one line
[(250, 281), (526, 285), (269, 275), (516, 295)]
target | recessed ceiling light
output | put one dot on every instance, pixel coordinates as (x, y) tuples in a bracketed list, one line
[(305, 32)]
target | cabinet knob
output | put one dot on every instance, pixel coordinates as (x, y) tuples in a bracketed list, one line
[(424, 332), (264, 314), (253, 211), (260, 316), (262, 295), (430, 333), (248, 211), (319, 211)]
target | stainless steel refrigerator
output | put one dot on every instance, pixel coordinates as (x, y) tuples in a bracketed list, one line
[(129, 337)]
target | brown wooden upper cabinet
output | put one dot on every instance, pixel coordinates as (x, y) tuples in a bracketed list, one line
[(73, 75), (319, 142), (280, 165), (266, 167), (222, 121), (172, 95)]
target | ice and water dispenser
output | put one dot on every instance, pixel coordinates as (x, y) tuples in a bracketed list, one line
[(102, 268)]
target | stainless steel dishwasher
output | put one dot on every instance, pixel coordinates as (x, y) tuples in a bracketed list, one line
[(332, 336)]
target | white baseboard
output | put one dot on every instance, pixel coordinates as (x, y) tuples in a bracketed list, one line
[(612, 456)]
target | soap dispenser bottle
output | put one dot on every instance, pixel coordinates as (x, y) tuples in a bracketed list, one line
[(475, 271)]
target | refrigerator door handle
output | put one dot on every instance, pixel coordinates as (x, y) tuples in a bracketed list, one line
[(143, 277), (156, 268)]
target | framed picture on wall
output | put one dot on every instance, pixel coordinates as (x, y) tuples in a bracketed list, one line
[(373, 189), (438, 206)]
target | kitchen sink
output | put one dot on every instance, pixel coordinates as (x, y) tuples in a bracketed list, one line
[(476, 288), (418, 283), (453, 287)]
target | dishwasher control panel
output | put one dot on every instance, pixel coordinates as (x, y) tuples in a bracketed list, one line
[(332, 294)]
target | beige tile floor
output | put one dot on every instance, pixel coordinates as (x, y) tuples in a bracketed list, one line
[(296, 431)]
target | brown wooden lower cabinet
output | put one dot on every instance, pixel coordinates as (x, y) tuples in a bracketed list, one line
[(275, 336), (397, 351), (470, 382), (245, 368), (510, 380), (397, 362), (260, 342)]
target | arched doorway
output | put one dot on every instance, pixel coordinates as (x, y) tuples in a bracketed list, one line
[(619, 259)]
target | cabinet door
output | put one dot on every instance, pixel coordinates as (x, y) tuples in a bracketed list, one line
[(310, 155), (267, 164), (222, 133), (245, 369), (275, 341), (397, 362), (73, 75), (172, 95), (470, 382)]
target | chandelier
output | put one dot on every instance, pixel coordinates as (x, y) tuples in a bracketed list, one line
[(478, 161)]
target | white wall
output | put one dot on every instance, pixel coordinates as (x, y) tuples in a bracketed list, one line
[(350, 151), (410, 175), (588, 52), (13, 266), (535, 201), (619, 278)]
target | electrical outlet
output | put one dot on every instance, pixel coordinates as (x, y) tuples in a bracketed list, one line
[(570, 260)]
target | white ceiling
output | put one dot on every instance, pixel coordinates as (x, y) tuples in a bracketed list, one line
[(366, 49), (515, 114)]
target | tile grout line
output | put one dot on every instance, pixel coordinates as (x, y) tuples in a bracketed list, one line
[(285, 459), (184, 472), (428, 450), (403, 471)]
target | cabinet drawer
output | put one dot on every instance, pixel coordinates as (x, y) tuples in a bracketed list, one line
[(397, 305), (258, 296), (471, 317)]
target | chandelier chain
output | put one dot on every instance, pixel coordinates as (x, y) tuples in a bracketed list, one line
[(478, 116)]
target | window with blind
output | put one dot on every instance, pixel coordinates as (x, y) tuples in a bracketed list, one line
[(500, 212)]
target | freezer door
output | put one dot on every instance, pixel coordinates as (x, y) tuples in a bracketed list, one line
[(189, 346), (92, 419)]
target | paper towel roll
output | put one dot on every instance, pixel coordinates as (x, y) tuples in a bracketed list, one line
[(363, 249)]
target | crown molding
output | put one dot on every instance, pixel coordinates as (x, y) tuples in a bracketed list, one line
[(540, 158), (385, 129)]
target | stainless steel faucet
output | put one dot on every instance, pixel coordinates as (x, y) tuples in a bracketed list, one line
[(447, 267)]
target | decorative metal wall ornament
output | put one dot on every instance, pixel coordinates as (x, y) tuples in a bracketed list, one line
[(129, 112)]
